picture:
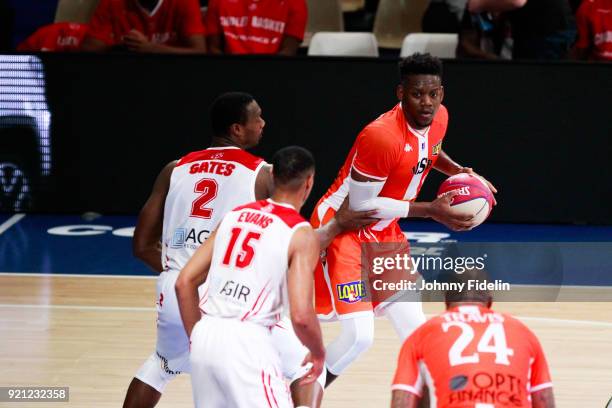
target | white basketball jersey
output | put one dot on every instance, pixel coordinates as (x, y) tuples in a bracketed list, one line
[(204, 186), (248, 273)]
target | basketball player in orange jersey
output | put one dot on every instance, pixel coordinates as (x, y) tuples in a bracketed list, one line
[(472, 356), (189, 199), (257, 263), (384, 170)]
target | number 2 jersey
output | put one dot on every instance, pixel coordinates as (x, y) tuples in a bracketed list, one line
[(471, 356), (204, 186), (248, 273)]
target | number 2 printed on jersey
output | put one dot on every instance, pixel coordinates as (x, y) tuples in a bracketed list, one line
[(208, 189)]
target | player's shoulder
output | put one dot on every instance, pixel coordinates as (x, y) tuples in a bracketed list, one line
[(425, 330), (387, 122), (384, 132), (240, 156), (518, 329), (287, 214), (442, 114)]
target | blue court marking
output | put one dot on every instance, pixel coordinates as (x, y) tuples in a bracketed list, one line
[(29, 247)]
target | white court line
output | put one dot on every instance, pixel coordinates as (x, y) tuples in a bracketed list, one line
[(10, 222), (151, 309), (76, 275), (79, 307), (70, 275)]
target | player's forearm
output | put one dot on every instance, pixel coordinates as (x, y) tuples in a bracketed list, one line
[(403, 399), (327, 233), (543, 398), (446, 165), (420, 210), (308, 330), (151, 256), (188, 301)]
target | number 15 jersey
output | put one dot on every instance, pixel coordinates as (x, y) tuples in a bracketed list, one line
[(247, 280), (204, 186)]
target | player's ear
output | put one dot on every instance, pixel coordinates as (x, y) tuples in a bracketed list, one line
[(441, 93), (399, 91), (236, 130), (308, 184)]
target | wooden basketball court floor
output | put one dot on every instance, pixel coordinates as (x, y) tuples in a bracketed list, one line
[(92, 333)]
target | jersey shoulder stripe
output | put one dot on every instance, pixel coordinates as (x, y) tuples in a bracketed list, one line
[(287, 214), (234, 155)]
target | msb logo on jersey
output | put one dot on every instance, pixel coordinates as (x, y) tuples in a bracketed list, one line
[(421, 166), (351, 292)]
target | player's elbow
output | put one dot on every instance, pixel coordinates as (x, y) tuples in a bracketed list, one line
[(139, 249), (302, 317), (181, 285)]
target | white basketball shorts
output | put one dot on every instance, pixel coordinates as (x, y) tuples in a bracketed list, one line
[(235, 365)]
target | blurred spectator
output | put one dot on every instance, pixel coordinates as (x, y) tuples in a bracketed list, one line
[(256, 27), (541, 29), (483, 36), (594, 21), (55, 37), (160, 26), (443, 16), (7, 20)]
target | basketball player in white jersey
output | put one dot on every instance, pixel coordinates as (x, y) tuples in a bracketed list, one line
[(260, 260), (189, 199)]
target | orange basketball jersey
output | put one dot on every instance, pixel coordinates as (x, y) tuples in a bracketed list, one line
[(387, 149), (471, 356)]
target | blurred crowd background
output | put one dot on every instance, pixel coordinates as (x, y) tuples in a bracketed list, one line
[(482, 29)]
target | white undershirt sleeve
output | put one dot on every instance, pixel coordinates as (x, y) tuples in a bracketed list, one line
[(363, 196)]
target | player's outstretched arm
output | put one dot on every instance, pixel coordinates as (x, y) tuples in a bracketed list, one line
[(344, 220), (403, 399), (189, 280), (148, 232), (303, 255), (543, 398)]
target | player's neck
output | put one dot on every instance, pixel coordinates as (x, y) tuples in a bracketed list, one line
[(224, 142), (456, 304), (285, 197)]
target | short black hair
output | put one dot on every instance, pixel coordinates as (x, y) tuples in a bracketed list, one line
[(467, 294), (227, 109), (420, 64), (291, 165)]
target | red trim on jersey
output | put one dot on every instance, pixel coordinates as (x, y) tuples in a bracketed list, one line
[(288, 215), (263, 381), (272, 390), (234, 155), (261, 304), (255, 304)]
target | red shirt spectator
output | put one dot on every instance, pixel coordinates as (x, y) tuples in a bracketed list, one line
[(256, 26), (146, 26), (594, 20), (55, 37)]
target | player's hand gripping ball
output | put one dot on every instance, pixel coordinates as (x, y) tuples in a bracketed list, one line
[(474, 197)]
